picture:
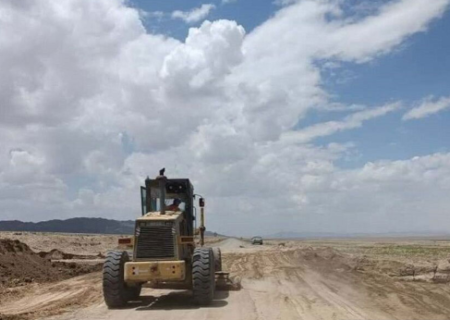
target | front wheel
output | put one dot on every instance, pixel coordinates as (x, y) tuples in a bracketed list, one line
[(203, 275), (115, 291)]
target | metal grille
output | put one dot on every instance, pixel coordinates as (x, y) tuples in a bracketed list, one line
[(155, 241)]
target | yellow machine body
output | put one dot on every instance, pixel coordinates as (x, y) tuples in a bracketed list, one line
[(155, 271), (161, 270), (162, 250)]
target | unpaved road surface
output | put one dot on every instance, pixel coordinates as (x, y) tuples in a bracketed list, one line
[(292, 282)]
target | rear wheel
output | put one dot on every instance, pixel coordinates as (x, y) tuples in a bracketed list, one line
[(217, 259), (203, 276), (115, 291)]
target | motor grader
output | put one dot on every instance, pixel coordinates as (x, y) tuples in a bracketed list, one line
[(165, 247)]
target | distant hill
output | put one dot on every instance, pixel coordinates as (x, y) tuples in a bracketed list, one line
[(76, 225), (301, 235)]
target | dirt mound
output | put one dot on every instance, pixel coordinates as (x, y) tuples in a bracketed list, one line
[(263, 263), (56, 254), (20, 265), (76, 244), (323, 258), (231, 243), (13, 246), (426, 271)]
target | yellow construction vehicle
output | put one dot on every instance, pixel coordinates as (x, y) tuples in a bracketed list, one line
[(165, 249)]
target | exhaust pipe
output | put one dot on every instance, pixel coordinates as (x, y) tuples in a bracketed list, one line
[(162, 190)]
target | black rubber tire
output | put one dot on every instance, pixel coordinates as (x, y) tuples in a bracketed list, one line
[(203, 276), (115, 291), (217, 259)]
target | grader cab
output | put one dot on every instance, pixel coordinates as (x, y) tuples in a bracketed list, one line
[(165, 249)]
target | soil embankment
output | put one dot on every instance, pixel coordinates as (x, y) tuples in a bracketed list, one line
[(23, 271), (19, 265)]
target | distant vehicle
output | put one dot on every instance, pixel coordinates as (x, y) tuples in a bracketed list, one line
[(257, 240)]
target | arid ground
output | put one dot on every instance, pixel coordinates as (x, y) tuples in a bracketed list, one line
[(58, 276)]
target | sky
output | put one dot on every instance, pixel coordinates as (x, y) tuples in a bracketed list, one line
[(287, 116)]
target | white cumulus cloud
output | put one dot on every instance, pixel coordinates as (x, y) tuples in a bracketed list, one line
[(194, 15), (352, 121), (91, 103), (428, 107)]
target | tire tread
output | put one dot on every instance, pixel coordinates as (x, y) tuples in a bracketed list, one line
[(203, 275)]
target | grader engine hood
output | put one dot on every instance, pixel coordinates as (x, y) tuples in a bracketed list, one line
[(156, 216), (156, 236)]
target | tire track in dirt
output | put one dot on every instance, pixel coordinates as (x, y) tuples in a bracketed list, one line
[(323, 284), (42, 300)]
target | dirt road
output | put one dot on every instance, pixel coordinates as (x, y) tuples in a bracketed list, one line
[(277, 283)]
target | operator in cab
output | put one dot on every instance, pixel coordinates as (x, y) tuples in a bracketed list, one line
[(174, 206)]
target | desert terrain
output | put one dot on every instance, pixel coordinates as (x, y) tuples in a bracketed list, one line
[(57, 276)]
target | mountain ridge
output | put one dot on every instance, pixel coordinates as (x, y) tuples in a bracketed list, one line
[(76, 225)]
